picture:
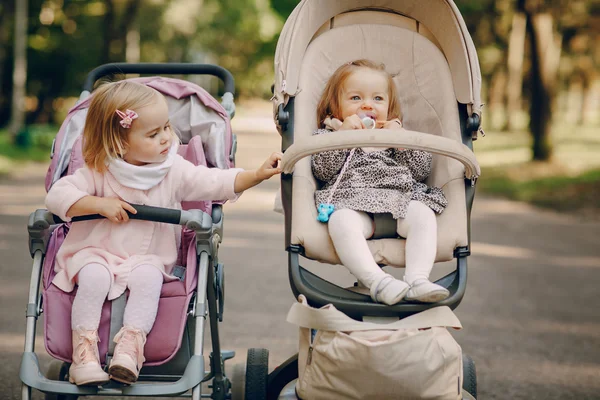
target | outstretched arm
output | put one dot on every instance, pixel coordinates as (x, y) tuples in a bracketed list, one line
[(247, 179)]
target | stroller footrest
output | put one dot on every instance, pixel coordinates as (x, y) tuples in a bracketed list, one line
[(31, 376)]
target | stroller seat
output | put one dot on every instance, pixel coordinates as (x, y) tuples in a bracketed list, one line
[(428, 95), (174, 350)]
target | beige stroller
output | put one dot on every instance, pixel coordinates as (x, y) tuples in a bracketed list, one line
[(425, 44)]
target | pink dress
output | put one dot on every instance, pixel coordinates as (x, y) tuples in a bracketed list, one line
[(122, 247)]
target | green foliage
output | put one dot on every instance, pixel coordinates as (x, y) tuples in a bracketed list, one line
[(559, 192), (284, 7), (40, 138)]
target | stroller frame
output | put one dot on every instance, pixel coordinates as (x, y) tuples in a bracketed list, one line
[(320, 292), (208, 299)]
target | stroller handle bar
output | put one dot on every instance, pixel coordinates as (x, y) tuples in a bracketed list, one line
[(161, 68), (384, 138), (192, 219)]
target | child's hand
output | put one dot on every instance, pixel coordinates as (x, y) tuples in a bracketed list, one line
[(247, 179), (352, 122), (114, 209), (270, 167), (392, 124)]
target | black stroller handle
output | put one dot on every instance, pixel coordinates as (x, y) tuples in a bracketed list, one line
[(193, 219), (146, 213), (161, 68)]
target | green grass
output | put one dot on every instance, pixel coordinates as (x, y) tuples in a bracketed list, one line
[(37, 148), (578, 193), (570, 182)]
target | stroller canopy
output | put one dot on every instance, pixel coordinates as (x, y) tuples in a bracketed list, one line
[(440, 17)]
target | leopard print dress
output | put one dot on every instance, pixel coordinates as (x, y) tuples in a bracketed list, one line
[(376, 181)]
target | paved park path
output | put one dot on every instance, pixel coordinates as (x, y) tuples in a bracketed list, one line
[(531, 314)]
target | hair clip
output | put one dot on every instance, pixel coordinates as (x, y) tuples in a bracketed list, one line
[(127, 117)]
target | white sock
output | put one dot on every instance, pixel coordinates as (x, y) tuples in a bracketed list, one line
[(419, 227), (349, 231), (94, 283), (427, 292), (144, 283)]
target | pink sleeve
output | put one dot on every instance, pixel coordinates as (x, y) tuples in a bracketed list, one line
[(197, 183), (69, 190)]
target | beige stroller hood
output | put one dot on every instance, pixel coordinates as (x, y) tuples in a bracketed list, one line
[(439, 20), (428, 51)]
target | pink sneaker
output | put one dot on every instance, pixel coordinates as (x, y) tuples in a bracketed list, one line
[(86, 368), (129, 355)]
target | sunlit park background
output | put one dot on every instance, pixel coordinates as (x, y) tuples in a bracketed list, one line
[(539, 59)]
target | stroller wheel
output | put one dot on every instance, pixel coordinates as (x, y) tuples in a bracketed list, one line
[(257, 370), (469, 376), (57, 371)]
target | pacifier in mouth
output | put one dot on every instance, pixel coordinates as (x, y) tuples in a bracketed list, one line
[(367, 120)]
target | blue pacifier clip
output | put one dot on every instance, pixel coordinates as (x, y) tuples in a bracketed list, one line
[(325, 210)]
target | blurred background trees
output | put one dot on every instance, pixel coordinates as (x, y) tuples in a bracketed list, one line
[(539, 58)]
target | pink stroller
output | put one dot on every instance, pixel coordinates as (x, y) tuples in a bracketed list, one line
[(174, 349)]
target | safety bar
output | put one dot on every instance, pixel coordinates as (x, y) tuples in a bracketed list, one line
[(381, 138), (161, 68)]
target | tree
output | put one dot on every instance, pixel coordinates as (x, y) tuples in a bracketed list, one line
[(6, 19), (116, 28), (20, 68), (545, 48)]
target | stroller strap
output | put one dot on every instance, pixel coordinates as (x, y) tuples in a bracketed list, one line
[(331, 319)]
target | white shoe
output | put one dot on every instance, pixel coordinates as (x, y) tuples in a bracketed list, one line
[(426, 292), (388, 290), (86, 368)]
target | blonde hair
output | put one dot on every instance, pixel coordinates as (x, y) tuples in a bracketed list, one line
[(103, 135), (329, 104)]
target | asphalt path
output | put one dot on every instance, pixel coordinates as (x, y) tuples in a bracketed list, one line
[(531, 318)]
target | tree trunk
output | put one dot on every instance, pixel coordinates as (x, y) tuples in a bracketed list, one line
[(116, 32), (109, 28), (132, 49), (5, 16), (586, 100), (516, 53), (496, 96), (20, 68), (545, 54)]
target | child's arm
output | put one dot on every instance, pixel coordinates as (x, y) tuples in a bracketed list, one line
[(327, 164), (74, 195), (247, 179), (202, 183)]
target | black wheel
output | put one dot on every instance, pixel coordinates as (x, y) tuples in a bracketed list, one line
[(57, 371), (257, 371), (469, 376)]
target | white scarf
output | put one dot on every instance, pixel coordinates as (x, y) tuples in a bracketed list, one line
[(142, 177)]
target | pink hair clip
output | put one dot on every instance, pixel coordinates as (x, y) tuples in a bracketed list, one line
[(127, 117)]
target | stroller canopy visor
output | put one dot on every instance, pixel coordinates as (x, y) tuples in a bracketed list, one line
[(441, 17)]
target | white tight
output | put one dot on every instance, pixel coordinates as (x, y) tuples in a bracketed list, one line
[(144, 283), (349, 230)]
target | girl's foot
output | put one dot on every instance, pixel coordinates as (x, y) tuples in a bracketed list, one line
[(389, 290), (426, 292), (86, 369), (129, 355)]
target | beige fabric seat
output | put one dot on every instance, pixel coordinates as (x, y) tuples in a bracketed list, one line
[(428, 104)]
